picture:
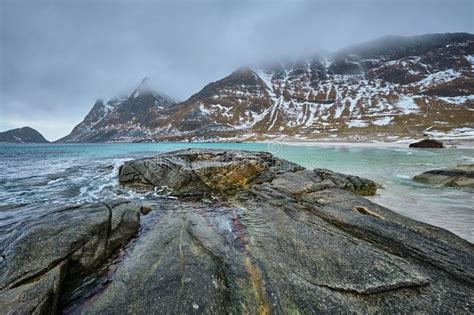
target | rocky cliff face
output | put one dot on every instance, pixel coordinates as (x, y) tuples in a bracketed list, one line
[(388, 87), (22, 135)]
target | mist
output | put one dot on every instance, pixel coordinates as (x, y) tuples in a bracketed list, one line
[(58, 57)]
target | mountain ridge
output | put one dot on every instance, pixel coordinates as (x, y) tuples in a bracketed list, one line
[(22, 135), (385, 90), (140, 107)]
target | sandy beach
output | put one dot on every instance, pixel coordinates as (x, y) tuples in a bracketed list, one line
[(401, 144)]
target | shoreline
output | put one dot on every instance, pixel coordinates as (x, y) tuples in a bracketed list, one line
[(401, 144), (467, 145)]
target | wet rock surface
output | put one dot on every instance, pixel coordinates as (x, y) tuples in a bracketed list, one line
[(39, 255), (245, 233), (459, 176)]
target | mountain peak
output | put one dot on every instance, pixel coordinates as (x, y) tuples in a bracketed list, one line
[(145, 80), (144, 85), (121, 114), (98, 103), (143, 88)]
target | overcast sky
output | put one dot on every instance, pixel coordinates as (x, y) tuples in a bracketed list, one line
[(57, 57)]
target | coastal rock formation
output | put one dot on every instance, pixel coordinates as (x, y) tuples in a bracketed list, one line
[(195, 172), (48, 250), (278, 238), (204, 171), (427, 144), (238, 232), (22, 135), (387, 88), (459, 176)]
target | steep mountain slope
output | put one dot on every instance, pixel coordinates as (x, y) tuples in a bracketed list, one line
[(122, 119), (394, 86), (22, 135), (387, 88)]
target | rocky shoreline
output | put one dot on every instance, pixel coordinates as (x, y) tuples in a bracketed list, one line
[(373, 143), (233, 232)]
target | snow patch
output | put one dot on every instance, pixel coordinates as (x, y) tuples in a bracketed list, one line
[(204, 110), (407, 105), (465, 133), (383, 121), (470, 58), (266, 78), (357, 123), (458, 99), (439, 77)]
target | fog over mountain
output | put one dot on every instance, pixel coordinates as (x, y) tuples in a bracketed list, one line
[(58, 57)]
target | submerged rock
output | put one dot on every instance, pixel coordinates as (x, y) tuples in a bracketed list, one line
[(459, 176), (427, 144), (251, 233)]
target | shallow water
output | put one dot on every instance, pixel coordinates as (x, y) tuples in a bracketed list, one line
[(76, 173)]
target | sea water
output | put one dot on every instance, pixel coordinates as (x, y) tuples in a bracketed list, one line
[(78, 173)]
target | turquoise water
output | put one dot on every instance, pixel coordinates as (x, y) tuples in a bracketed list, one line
[(75, 173)]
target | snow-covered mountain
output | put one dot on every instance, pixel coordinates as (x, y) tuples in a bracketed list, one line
[(122, 118), (394, 86)]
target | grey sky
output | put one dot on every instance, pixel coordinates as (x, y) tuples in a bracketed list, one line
[(57, 57)]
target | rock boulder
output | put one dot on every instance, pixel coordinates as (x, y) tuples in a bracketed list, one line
[(427, 144)]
